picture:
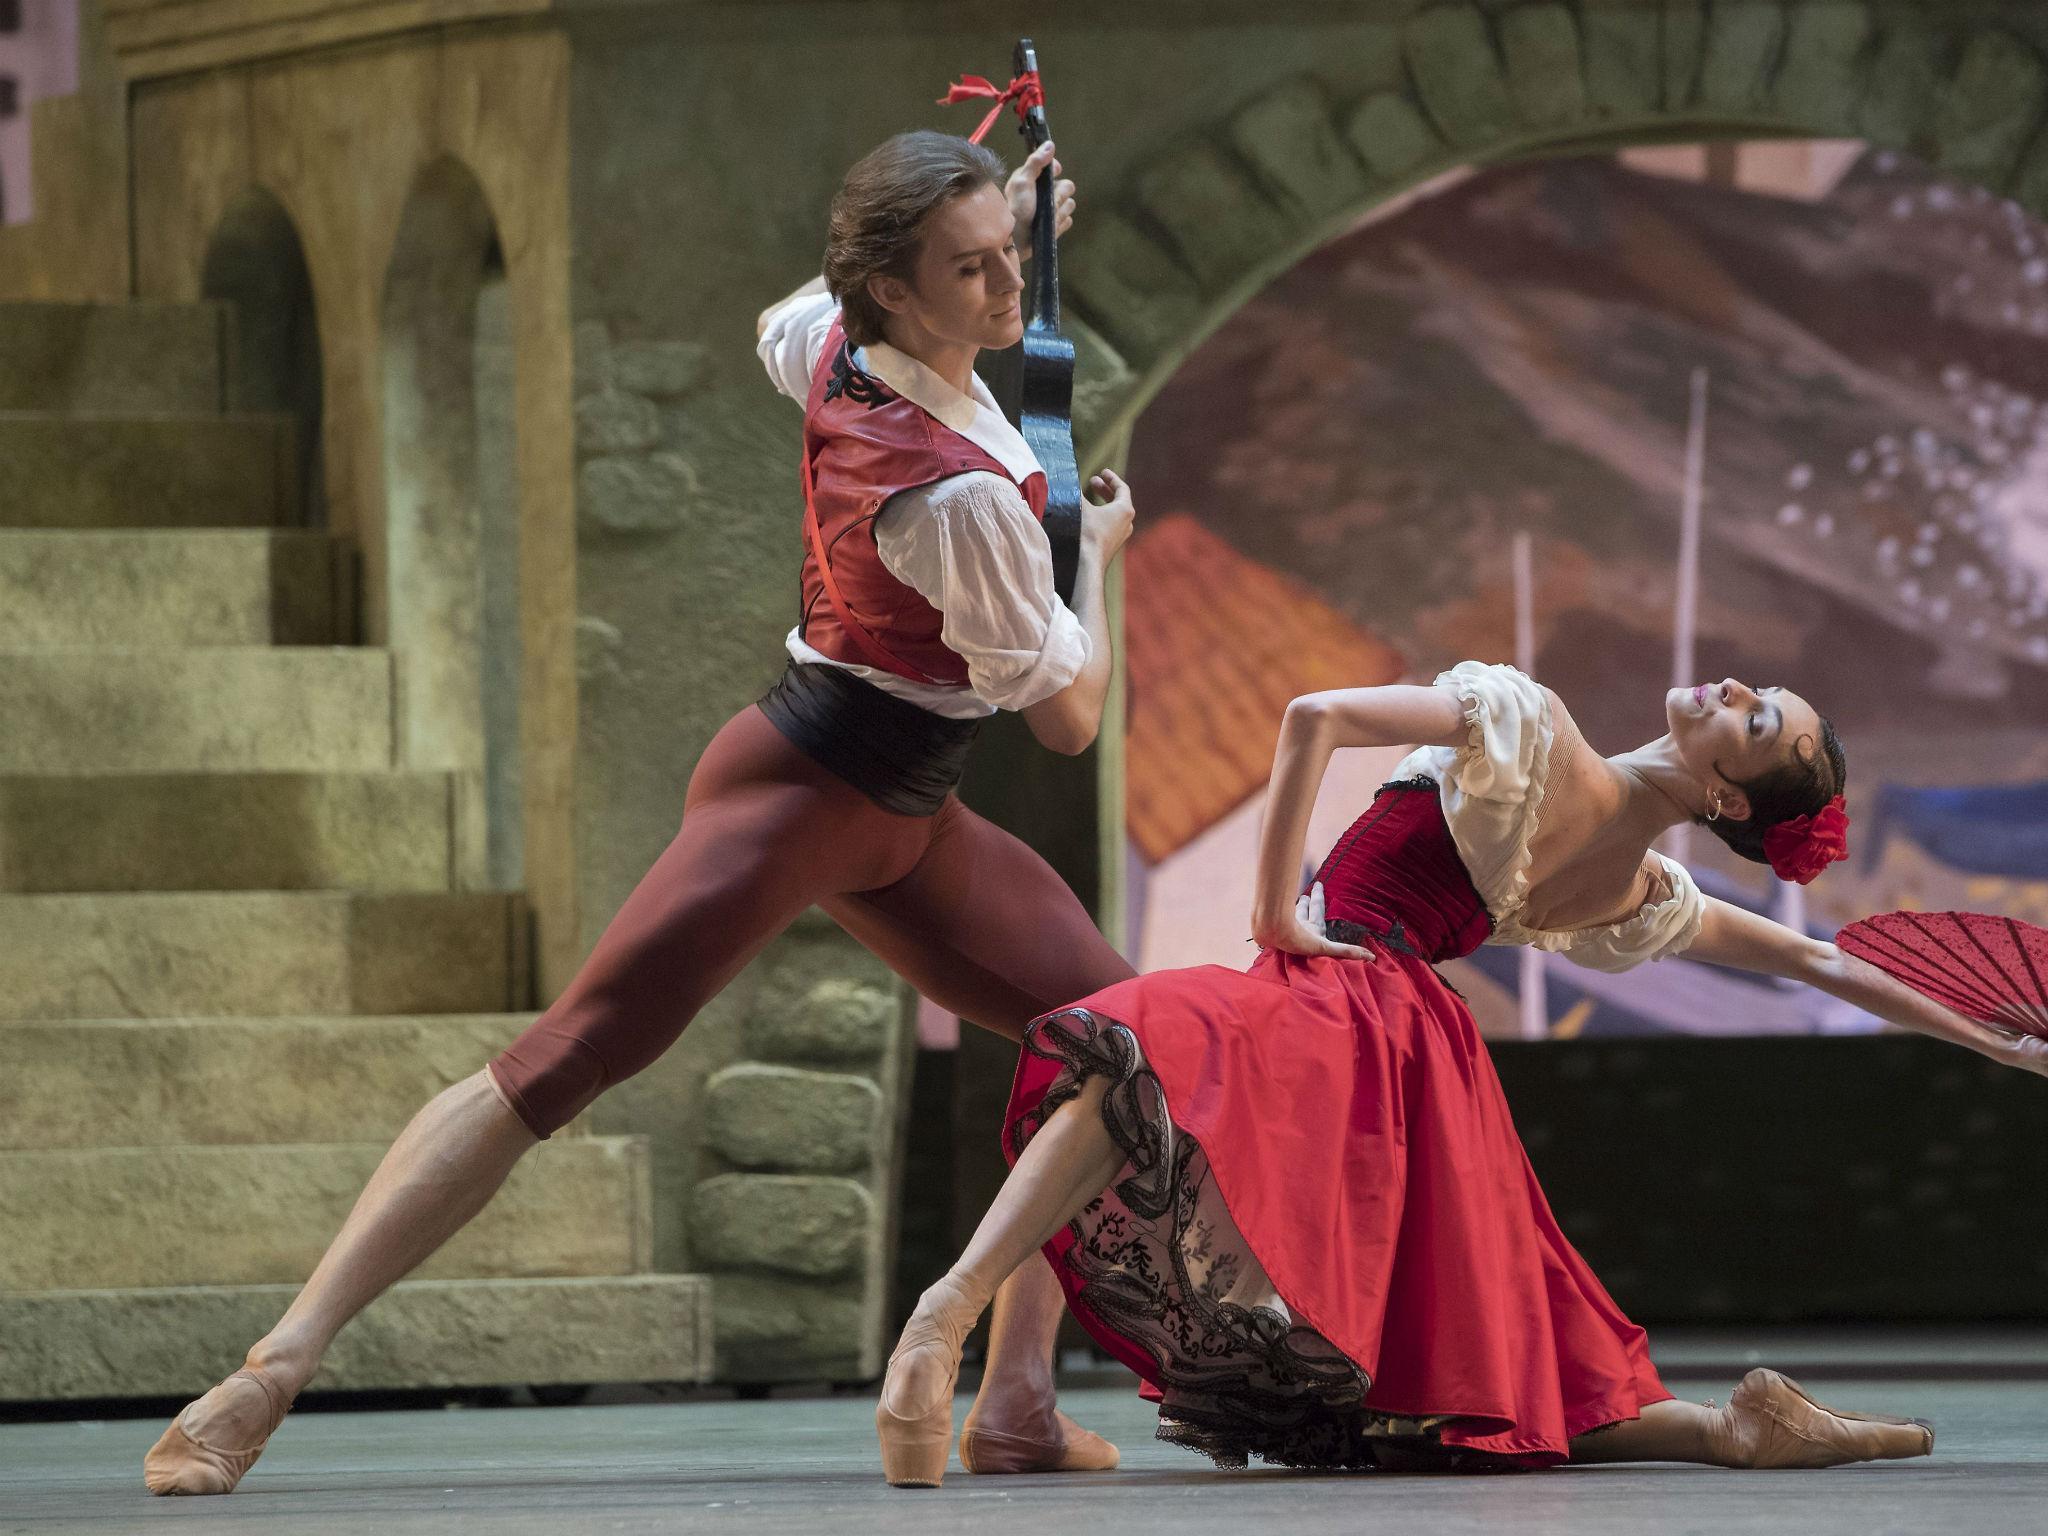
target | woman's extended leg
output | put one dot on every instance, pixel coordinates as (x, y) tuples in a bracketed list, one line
[(1670, 1431), (985, 929), (1068, 1163), (1769, 1422), (764, 834)]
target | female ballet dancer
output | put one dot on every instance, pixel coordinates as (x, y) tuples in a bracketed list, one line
[(1293, 1200), (928, 604)]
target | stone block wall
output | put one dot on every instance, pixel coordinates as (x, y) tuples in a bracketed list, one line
[(793, 1213), (630, 478)]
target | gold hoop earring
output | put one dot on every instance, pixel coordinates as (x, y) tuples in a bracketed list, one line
[(1714, 809)]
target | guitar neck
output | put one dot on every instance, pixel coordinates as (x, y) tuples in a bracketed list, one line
[(1045, 257), (1045, 273)]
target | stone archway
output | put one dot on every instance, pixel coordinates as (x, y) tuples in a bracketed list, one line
[(256, 265), (451, 506), (1197, 231)]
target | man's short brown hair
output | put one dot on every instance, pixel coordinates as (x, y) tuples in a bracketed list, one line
[(879, 212)]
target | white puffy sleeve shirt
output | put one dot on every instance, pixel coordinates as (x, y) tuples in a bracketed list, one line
[(969, 545), (1493, 787)]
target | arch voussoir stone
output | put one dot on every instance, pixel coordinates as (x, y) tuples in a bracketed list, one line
[(1907, 78), (1391, 135), (1682, 39), (1821, 79), (1457, 73), (1130, 289), (1990, 109), (1288, 139), (1744, 40), (1546, 77), (1624, 59), (1221, 224)]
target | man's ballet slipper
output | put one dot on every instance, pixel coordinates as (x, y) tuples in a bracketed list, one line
[(181, 1464), (992, 1451), (924, 1368), (1778, 1425)]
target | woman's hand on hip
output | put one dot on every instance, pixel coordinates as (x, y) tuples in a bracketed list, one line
[(1301, 932)]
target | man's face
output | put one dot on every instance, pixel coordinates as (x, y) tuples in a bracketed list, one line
[(966, 286)]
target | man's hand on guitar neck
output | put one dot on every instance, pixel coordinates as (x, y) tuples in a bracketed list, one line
[(1022, 191)]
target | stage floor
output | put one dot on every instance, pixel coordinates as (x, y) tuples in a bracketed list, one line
[(808, 1466)]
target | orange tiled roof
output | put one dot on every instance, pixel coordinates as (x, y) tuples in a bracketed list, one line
[(1216, 644)]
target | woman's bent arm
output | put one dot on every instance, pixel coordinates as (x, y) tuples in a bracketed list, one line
[(1316, 724)]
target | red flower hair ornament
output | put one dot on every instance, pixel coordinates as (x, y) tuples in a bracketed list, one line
[(1801, 848)]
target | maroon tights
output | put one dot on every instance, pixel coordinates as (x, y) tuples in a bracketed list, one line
[(963, 911)]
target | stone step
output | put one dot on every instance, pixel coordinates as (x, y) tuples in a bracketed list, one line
[(137, 590), (129, 357), (226, 832), (227, 709), (260, 954), (111, 1217), (421, 1333), (148, 471), (221, 1082)]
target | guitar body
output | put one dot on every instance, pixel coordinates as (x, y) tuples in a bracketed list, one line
[(1046, 419)]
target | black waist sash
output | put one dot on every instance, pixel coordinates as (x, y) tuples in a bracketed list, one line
[(903, 758)]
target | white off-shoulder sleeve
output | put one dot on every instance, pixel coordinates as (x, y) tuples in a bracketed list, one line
[(1493, 785), (793, 338), (972, 548), (1665, 925), (1493, 782)]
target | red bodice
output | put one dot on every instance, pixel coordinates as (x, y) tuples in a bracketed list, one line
[(1396, 873)]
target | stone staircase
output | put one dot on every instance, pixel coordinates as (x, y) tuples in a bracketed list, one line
[(233, 960)]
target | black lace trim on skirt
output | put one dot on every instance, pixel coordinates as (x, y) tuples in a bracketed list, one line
[(1239, 1381)]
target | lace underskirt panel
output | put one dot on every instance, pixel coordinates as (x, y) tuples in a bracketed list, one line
[(1161, 1263)]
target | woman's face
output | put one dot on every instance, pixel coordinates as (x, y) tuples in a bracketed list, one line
[(1727, 732), (966, 287)]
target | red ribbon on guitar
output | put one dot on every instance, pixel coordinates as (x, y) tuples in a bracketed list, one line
[(1024, 91)]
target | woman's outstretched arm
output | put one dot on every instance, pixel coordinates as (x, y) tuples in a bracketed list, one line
[(1734, 937), (1316, 724)]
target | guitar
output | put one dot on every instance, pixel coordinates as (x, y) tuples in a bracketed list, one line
[(1047, 402)]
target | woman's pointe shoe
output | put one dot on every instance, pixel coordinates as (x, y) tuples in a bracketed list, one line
[(914, 1419), (182, 1463), (1771, 1422), (1076, 1450)]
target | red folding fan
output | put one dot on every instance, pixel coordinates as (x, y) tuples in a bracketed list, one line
[(1992, 969)]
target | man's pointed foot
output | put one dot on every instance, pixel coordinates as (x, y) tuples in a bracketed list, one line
[(191, 1458)]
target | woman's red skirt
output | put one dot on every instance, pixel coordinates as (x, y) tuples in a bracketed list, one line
[(1328, 1247)]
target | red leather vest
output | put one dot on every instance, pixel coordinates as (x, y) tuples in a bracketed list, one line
[(864, 443)]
